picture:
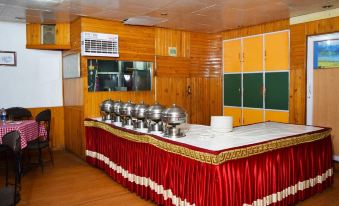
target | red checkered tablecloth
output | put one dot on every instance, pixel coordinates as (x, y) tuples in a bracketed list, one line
[(28, 130)]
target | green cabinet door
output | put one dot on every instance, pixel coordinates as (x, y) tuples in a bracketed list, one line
[(276, 90), (232, 90), (253, 90)]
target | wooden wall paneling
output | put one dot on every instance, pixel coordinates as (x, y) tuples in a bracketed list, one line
[(206, 55), (257, 29), (132, 39), (165, 38), (297, 102), (32, 34), (73, 92), (173, 66), (215, 96), (74, 131), (57, 125), (62, 34)]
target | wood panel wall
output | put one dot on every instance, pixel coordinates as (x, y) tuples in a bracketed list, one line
[(299, 33), (135, 43), (57, 137), (165, 38)]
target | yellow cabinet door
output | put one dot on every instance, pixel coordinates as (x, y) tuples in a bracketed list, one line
[(251, 116), (253, 54), (277, 51), (231, 58), (235, 113), (277, 116)]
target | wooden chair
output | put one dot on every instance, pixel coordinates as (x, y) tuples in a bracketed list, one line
[(43, 119), (10, 194)]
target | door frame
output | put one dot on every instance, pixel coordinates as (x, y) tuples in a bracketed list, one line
[(309, 70)]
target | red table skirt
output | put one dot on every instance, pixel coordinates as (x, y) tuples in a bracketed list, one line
[(279, 177)]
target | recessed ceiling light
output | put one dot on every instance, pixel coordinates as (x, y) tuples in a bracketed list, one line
[(327, 6)]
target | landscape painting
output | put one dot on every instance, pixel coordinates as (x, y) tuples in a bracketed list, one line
[(326, 54)]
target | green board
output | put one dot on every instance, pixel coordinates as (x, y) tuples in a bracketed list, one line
[(232, 90), (276, 90), (253, 90)]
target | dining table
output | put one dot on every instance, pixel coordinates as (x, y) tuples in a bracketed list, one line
[(29, 130)]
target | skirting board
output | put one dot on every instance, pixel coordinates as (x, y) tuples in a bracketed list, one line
[(336, 158)]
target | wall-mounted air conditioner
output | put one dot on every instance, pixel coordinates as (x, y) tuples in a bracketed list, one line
[(98, 44)]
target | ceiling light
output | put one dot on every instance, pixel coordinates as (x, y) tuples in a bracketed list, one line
[(144, 20)]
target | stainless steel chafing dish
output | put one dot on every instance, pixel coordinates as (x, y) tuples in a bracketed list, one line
[(116, 108), (153, 116), (126, 113), (172, 117), (106, 109), (139, 110), (139, 113)]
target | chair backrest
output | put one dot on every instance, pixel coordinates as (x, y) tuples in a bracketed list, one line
[(44, 117), (12, 141), (18, 113)]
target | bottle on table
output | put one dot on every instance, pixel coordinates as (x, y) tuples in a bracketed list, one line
[(3, 115)]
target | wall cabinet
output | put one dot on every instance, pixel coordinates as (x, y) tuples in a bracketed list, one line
[(257, 88), (62, 37)]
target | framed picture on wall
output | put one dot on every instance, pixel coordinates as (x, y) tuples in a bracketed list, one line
[(325, 51), (8, 58)]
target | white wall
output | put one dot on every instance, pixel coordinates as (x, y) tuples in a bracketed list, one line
[(36, 81)]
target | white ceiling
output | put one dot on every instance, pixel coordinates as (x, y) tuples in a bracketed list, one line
[(192, 15)]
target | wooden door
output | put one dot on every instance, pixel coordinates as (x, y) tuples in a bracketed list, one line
[(252, 54), (325, 102), (173, 90), (277, 51), (232, 55)]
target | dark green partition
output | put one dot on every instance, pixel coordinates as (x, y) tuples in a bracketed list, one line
[(253, 90), (276, 90), (232, 90)]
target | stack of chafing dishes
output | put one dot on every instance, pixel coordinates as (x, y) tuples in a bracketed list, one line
[(153, 117), (139, 114), (172, 117), (106, 109), (126, 113), (116, 108)]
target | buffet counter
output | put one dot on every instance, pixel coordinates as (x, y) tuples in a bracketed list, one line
[(259, 164)]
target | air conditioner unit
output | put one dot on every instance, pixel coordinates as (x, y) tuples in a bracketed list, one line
[(99, 44)]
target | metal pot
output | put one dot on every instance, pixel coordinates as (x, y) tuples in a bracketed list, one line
[(139, 110), (173, 115), (153, 112), (106, 109), (126, 109), (107, 106), (116, 107)]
